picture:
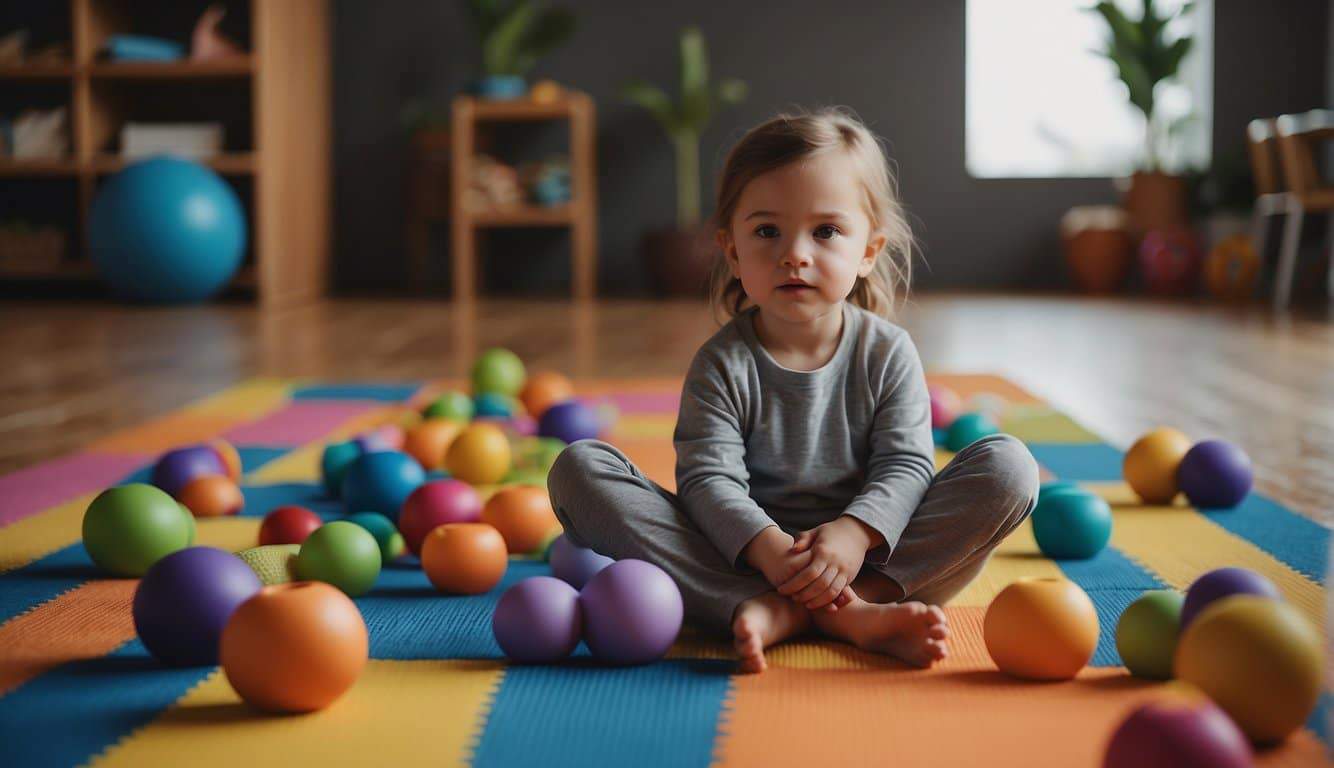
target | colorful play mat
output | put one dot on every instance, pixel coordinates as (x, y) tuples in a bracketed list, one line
[(76, 686)]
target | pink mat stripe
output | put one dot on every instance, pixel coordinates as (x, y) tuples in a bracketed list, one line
[(643, 402), (298, 423), (28, 491)]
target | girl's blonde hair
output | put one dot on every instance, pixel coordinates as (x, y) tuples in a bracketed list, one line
[(794, 136)]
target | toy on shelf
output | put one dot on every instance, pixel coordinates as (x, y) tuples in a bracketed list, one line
[(207, 43)]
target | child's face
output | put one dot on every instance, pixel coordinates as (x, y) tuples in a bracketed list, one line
[(801, 237)]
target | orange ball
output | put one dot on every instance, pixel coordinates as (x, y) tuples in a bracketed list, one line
[(428, 442), (294, 647), (1150, 466), (543, 390), (229, 457), (480, 455), (523, 515), (212, 496), (464, 558), (1041, 629)]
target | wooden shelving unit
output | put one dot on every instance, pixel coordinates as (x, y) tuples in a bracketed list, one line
[(469, 116), (280, 166)]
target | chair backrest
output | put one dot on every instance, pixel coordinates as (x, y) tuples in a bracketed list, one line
[(1262, 148), (1297, 137)]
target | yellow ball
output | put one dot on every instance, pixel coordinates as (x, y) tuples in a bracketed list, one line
[(1150, 466), (545, 92), (1041, 629), (1257, 658), (480, 455)]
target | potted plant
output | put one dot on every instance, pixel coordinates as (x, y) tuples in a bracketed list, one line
[(514, 34), (1144, 56), (678, 259)]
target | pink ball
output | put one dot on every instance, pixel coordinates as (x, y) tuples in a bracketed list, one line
[(1183, 731), (434, 504), (945, 406)]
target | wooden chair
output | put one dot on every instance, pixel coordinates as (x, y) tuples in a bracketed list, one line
[(1295, 138)]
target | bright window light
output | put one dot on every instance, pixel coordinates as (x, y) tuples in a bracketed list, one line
[(1041, 102)]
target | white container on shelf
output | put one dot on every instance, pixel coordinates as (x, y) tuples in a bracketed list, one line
[(192, 140)]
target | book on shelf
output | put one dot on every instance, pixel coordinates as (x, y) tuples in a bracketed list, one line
[(192, 140)]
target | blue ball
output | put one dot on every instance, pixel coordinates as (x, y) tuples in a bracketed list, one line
[(166, 230), (569, 421), (335, 460), (381, 482), (967, 429), (492, 405), (1072, 525)]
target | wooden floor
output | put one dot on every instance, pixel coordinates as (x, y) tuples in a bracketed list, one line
[(70, 373)]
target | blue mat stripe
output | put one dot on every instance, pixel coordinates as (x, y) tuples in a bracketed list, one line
[(1090, 462), (79, 709), (45, 578), (263, 499), (578, 714), (1301, 543), (1113, 581), (388, 393), (408, 619)]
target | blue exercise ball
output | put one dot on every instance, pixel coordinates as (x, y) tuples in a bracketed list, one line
[(166, 230)]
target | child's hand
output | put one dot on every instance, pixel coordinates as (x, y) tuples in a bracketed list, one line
[(770, 552), (837, 549)]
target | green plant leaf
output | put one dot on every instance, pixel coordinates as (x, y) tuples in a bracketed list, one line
[(731, 91), (1124, 32), (501, 49), (553, 28), (695, 97), (1136, 79), (1175, 53), (657, 103)]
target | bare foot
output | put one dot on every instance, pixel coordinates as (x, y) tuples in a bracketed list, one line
[(763, 621), (912, 632)]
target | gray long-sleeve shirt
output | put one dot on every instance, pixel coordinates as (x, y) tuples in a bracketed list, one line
[(758, 444)]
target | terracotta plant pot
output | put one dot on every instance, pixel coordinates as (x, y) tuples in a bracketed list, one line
[(1156, 201), (679, 262), (1098, 247)]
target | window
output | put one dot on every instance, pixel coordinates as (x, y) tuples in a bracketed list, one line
[(1041, 102)]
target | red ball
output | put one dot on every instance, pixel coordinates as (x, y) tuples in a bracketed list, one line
[(434, 504), (288, 525), (1169, 261)]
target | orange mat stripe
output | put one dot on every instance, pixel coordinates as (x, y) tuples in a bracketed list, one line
[(84, 623)]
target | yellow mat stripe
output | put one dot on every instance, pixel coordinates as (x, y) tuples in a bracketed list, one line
[(252, 397), (398, 712), (1043, 424), (41, 534), (1178, 545)]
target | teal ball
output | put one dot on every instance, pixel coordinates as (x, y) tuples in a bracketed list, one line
[(385, 532), (1057, 487), (334, 462), (1072, 526), (967, 429)]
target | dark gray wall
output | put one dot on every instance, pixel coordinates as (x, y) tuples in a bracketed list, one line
[(900, 64)]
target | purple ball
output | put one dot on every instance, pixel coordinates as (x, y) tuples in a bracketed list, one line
[(1221, 583), (177, 467), (537, 621), (1215, 473), (632, 612), (184, 600), (574, 564), (569, 421)]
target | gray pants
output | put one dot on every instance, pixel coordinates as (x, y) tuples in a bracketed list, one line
[(606, 503)]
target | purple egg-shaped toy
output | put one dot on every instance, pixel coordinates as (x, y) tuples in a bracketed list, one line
[(1221, 583), (570, 421), (632, 612), (574, 564), (1214, 474), (177, 467), (183, 602), (537, 621)]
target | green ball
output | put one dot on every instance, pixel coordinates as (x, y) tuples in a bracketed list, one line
[(128, 528), (452, 406), (342, 554), (498, 370), (385, 533), (1146, 633), (967, 429)]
